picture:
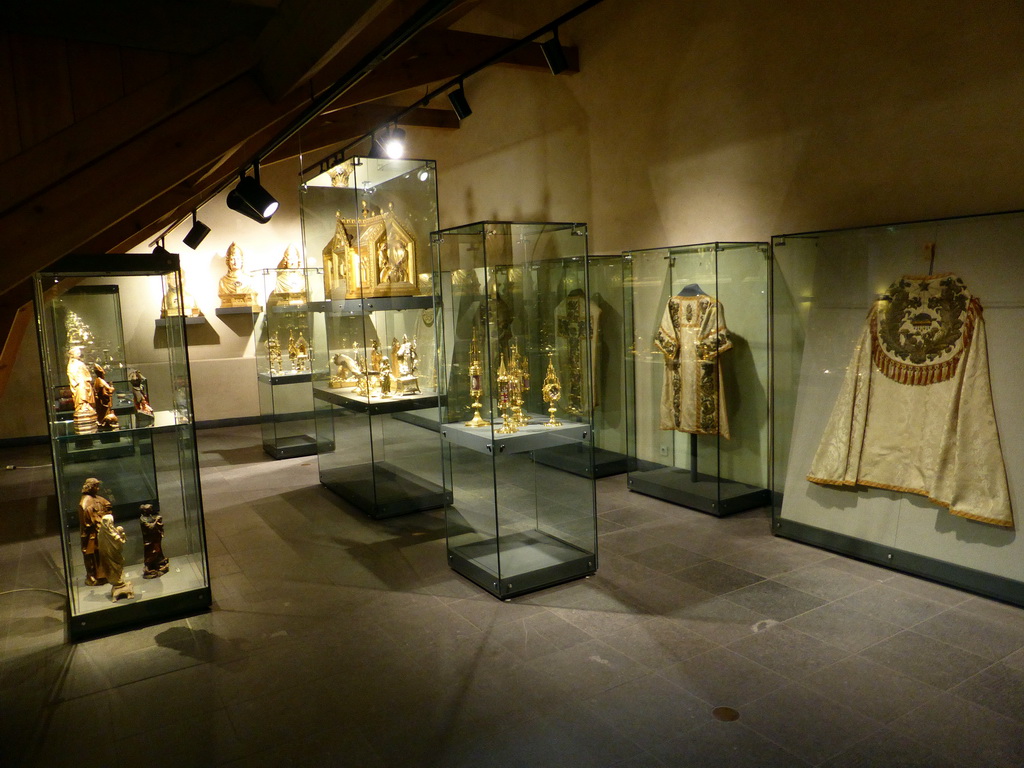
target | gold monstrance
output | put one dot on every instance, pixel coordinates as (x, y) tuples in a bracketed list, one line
[(476, 384), (551, 391), (508, 425), (516, 373)]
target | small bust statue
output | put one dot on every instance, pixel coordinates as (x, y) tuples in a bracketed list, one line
[(172, 306), (235, 289), (290, 287)]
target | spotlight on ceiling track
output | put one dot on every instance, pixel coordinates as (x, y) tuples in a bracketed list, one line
[(376, 150), (459, 102), (197, 234), (394, 143), (252, 200), (554, 54), (160, 250)]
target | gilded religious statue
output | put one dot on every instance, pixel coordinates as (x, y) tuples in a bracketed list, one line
[(175, 304), (235, 289), (341, 260), (112, 539), (82, 393), (372, 255), (290, 287), (408, 364)]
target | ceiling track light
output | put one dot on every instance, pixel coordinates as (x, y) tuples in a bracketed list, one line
[(459, 102), (197, 234), (376, 148), (554, 54), (394, 143), (160, 250), (250, 199)]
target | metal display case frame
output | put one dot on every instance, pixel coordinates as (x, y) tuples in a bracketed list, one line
[(516, 340), (133, 541)]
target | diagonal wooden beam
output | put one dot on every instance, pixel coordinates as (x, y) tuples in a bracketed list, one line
[(15, 319), (156, 161), (89, 139), (306, 34), (350, 123), (439, 56), (174, 26)]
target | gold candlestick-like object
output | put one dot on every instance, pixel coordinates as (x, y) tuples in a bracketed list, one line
[(508, 426), (476, 384), (515, 373), (551, 392)]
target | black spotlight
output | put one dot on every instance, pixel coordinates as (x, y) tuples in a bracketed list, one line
[(197, 234), (252, 200), (376, 150), (160, 250), (554, 54), (459, 103)]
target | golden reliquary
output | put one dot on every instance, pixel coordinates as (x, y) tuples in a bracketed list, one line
[(374, 255)]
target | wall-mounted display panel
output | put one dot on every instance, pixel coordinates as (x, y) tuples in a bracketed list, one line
[(366, 224), (899, 426), (516, 401), (697, 372), (125, 464)]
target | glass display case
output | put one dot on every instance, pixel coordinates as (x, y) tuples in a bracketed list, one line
[(366, 223), (607, 297), (287, 330), (698, 383), (517, 351), (898, 411), (118, 403)]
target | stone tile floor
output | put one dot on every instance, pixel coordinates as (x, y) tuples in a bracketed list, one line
[(337, 640)]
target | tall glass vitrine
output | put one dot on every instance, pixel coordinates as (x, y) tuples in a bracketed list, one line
[(516, 351), (697, 373), (288, 329), (366, 223), (120, 416)]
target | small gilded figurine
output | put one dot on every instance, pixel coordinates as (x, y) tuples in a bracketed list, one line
[(274, 353), (235, 289), (112, 539)]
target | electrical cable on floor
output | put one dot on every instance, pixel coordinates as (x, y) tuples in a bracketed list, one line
[(33, 589), (31, 466)]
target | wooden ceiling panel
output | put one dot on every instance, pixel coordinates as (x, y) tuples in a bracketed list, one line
[(42, 86), (10, 134), (95, 77)]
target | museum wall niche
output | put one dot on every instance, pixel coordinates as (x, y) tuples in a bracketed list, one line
[(698, 373), (898, 416), (122, 437), (517, 346), (366, 226)]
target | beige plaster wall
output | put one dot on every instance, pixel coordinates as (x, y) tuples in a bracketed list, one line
[(689, 122)]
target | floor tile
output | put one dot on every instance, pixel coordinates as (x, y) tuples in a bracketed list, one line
[(787, 651), (925, 659), (971, 735), (774, 600), (717, 577), (999, 687), (723, 678), (988, 637), (726, 745), (843, 627), (895, 606), (869, 688), (807, 724), (658, 643), (650, 709), (891, 750), (822, 580)]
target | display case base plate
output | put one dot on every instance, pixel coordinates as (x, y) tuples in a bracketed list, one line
[(530, 560), (131, 614), (577, 460), (291, 447), (397, 492), (706, 493)]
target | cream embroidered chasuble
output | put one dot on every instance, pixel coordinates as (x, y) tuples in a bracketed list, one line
[(915, 413), (692, 335)]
